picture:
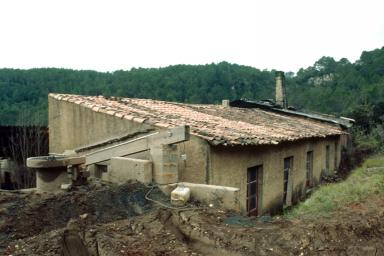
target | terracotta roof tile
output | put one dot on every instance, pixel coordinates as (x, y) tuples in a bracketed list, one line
[(96, 108), (139, 120), (129, 117), (119, 115), (219, 125)]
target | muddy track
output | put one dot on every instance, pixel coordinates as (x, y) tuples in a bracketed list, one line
[(358, 236)]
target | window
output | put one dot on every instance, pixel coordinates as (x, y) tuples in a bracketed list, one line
[(288, 164), (327, 158), (309, 169), (99, 169), (253, 189)]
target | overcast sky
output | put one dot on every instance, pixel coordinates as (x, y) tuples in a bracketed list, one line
[(111, 35)]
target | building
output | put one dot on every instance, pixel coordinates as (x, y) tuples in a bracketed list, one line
[(271, 153)]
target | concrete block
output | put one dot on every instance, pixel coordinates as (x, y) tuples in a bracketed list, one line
[(218, 196), (123, 169)]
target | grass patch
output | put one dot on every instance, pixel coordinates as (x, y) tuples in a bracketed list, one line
[(363, 181)]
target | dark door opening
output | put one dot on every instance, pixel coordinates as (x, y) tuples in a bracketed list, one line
[(309, 169), (288, 163), (8, 185), (327, 159), (336, 154), (253, 189)]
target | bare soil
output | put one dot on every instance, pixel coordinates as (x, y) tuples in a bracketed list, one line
[(118, 220)]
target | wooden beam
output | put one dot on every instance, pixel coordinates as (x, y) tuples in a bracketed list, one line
[(167, 137)]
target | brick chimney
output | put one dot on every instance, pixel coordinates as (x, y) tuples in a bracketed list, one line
[(281, 97)]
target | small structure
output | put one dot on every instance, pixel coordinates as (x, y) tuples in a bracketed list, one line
[(54, 171), (267, 152)]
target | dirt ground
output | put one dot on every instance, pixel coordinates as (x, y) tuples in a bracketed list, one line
[(119, 220)]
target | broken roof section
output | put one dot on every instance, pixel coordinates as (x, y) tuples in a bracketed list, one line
[(271, 106), (217, 124)]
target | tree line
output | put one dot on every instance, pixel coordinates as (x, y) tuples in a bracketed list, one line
[(329, 86), (23, 93)]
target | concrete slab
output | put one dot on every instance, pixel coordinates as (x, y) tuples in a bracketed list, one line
[(53, 161)]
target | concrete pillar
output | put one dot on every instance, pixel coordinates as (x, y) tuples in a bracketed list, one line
[(165, 164)]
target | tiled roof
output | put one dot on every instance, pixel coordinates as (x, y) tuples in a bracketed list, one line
[(214, 123)]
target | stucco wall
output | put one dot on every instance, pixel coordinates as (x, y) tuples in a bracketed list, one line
[(229, 168), (72, 126), (194, 169)]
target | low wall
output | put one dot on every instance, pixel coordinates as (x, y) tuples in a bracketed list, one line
[(219, 196)]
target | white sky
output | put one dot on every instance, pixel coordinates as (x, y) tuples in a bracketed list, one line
[(111, 35)]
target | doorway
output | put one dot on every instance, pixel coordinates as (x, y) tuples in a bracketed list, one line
[(288, 164), (309, 170), (254, 179)]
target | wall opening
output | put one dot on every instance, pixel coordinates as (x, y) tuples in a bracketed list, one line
[(309, 169), (288, 165), (254, 185), (327, 159), (99, 170)]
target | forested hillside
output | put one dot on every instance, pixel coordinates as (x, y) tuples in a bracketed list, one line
[(23, 93), (355, 90), (340, 86), (331, 86)]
